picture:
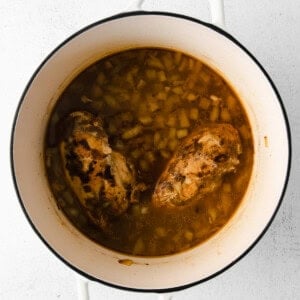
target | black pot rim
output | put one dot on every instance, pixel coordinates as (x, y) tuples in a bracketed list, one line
[(232, 39)]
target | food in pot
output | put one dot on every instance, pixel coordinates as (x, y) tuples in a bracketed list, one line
[(148, 152)]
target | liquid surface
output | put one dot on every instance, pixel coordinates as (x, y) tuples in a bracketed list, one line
[(150, 101)]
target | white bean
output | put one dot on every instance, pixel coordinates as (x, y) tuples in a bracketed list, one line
[(132, 132)]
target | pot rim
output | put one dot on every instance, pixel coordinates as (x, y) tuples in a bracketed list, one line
[(179, 16)]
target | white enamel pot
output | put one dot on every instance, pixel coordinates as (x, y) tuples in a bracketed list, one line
[(271, 140)]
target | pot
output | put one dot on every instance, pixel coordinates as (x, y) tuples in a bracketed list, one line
[(271, 143)]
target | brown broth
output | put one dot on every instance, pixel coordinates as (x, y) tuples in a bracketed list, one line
[(149, 100)]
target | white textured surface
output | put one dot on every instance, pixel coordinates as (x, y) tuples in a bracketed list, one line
[(29, 30)]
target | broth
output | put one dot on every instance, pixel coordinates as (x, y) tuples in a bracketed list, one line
[(150, 100)]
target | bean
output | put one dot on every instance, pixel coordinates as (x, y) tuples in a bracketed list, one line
[(57, 186), (171, 103), (162, 95), (96, 91), (191, 63), (165, 154), (54, 119), (198, 67), (204, 103), (177, 90), (231, 102), (144, 210), (204, 77), (160, 231), (153, 105), (97, 105), (191, 81), (68, 197), (129, 78), (201, 232), (172, 133), (167, 61), (183, 65), (214, 113), (226, 201), (48, 157), (194, 113), (106, 204), (141, 84), (238, 183), (110, 101), (226, 187), (216, 100), (191, 97), (196, 225), (245, 132), (115, 89), (177, 237), (124, 96), (161, 76), (108, 65), (144, 165), (177, 57), (225, 115), (135, 210), (156, 88), (73, 212), (171, 121), (162, 144), (159, 121), (156, 138), (119, 145), (145, 120), (132, 132), (183, 119), (136, 153), (126, 117), (143, 109), (131, 75), (135, 98), (181, 133), (100, 78), (150, 156), (212, 215), (151, 74), (139, 247), (174, 100), (85, 99), (82, 220), (155, 62), (188, 235), (173, 144)]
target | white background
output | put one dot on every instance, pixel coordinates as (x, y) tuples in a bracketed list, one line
[(29, 30)]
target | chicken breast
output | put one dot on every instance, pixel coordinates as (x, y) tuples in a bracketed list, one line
[(102, 179), (198, 165)]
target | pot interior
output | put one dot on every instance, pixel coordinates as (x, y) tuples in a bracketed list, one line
[(258, 98)]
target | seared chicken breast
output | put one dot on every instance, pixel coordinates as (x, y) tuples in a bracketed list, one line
[(102, 179), (198, 165)]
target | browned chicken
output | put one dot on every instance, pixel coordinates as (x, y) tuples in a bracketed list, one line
[(101, 178), (198, 165)]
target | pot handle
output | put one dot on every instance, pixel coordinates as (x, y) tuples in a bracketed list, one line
[(217, 13), (216, 10)]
